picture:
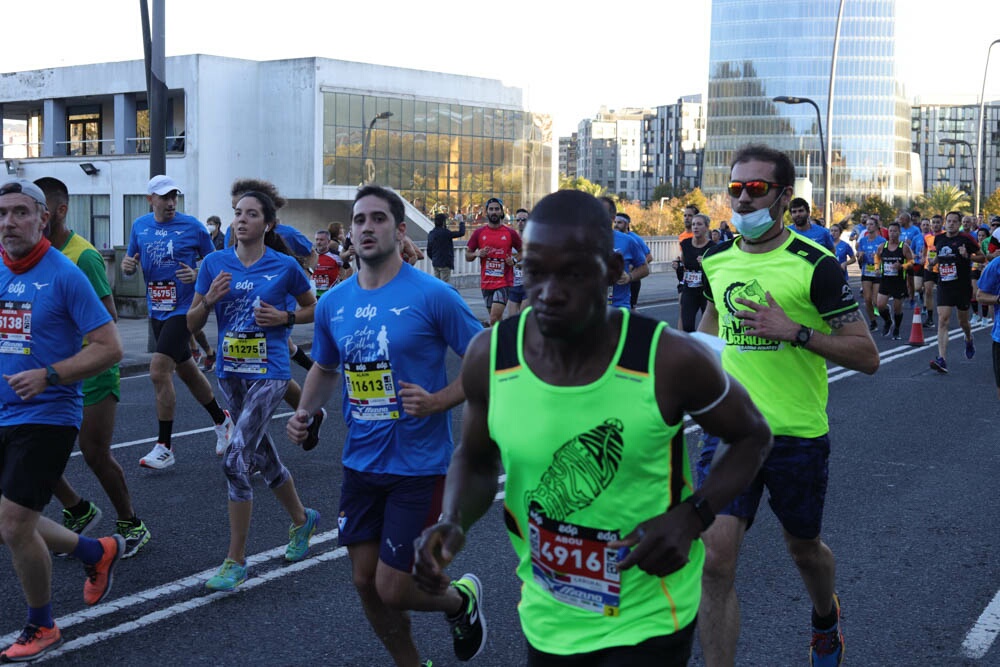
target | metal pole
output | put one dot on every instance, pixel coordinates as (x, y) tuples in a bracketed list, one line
[(158, 95), (829, 117), (826, 163), (979, 133)]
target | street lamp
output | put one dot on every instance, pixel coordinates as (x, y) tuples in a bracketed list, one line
[(369, 170), (979, 133), (784, 99), (962, 142)]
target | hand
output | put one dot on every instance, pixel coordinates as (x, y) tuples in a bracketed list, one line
[(434, 550), (483, 252), (298, 426), (624, 279), (28, 384), (962, 251), (186, 274), (267, 315), (660, 545), (218, 289), (767, 321), (130, 264), (417, 401)]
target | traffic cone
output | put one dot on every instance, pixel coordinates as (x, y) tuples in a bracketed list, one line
[(917, 328)]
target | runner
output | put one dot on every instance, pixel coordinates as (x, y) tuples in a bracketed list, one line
[(168, 244), (515, 296), (871, 274), (601, 457), (634, 266), (930, 268), (955, 253), (328, 263), (692, 297), (989, 294), (387, 329), (842, 249), (101, 394), (241, 285), (781, 304), (623, 224), (892, 256), (493, 245), (49, 307)]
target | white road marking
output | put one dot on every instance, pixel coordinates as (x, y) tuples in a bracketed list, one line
[(984, 632)]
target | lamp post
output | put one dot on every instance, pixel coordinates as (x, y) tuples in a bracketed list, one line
[(962, 142), (979, 133), (784, 99), (369, 171)]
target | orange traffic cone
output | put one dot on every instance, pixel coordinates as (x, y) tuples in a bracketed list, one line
[(917, 328)]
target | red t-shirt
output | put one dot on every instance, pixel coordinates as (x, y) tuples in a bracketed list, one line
[(494, 271), (327, 272)]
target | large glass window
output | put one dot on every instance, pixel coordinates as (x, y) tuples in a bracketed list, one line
[(83, 130), (90, 217)]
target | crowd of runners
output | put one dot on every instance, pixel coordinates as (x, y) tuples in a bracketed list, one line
[(622, 542)]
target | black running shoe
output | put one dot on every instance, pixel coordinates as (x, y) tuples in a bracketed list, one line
[(468, 629)]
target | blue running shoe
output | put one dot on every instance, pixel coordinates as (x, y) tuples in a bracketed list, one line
[(827, 647), (298, 536), (970, 348), (939, 365), (229, 576)]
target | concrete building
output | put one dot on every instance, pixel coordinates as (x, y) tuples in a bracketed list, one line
[(568, 155), (673, 146), (942, 163), (609, 150), (450, 142)]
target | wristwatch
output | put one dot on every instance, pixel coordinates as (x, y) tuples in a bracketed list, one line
[(803, 336), (701, 508), (291, 319), (51, 376)]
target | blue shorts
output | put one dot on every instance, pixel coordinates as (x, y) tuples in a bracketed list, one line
[(516, 294), (389, 509), (795, 474)]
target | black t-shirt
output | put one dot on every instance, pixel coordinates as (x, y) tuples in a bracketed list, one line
[(952, 267)]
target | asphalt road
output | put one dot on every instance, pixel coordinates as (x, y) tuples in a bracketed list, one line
[(910, 517)]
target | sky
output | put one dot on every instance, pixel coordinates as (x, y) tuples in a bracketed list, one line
[(570, 58)]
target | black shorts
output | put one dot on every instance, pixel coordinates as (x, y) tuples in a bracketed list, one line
[(893, 287), (917, 270), (930, 276), (870, 279), (956, 293), (32, 459), (996, 363), (172, 337), (975, 274), (663, 651), (498, 295)]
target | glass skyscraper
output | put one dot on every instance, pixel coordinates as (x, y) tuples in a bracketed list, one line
[(769, 48)]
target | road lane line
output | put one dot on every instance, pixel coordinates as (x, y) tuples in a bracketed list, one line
[(984, 632)]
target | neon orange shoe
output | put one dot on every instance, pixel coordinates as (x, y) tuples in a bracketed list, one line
[(34, 641), (100, 575)]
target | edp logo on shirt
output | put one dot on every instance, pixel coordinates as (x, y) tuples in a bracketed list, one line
[(366, 313)]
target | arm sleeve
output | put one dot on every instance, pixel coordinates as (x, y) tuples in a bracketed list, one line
[(86, 310), (205, 277), (829, 290), (205, 244), (515, 240), (92, 264), (474, 240)]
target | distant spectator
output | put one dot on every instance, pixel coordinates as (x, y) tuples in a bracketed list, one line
[(441, 246), (214, 224)]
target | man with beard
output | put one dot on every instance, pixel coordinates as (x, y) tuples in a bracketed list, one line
[(799, 210), (493, 245)]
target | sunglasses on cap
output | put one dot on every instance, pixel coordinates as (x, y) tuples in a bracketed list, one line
[(754, 188)]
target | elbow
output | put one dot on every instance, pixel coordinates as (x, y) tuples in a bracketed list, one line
[(871, 363)]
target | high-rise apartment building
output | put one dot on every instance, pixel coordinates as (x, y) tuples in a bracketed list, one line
[(567, 156), (609, 150), (673, 146), (783, 48), (944, 138)]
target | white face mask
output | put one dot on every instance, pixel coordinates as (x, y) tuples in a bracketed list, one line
[(212, 229), (753, 225)]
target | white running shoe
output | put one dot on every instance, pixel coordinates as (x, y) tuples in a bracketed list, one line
[(222, 434), (159, 458)]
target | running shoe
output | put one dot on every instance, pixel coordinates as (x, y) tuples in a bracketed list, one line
[(209, 364), (100, 574), (34, 642), (970, 348), (82, 524), (895, 335), (427, 663), (312, 435), (229, 576), (885, 329), (136, 535), (223, 432), (872, 326), (159, 457), (939, 365), (827, 646), (196, 355), (468, 629), (298, 536)]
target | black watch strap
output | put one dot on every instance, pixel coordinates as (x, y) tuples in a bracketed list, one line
[(291, 319), (702, 509)]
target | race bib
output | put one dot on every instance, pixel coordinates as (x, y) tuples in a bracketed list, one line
[(322, 280), (948, 272), (870, 270), (163, 295), (244, 352), (370, 390), (15, 327), (890, 269), (611, 294), (692, 278), (495, 267), (575, 565), (518, 275)]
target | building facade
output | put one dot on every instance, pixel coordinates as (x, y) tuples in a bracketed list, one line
[(674, 146), (568, 156), (315, 127), (944, 139), (609, 151), (783, 48)]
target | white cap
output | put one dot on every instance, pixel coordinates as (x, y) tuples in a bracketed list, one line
[(161, 185)]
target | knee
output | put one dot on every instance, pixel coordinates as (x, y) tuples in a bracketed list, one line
[(14, 530), (364, 584), (160, 371), (720, 564), (805, 552), (394, 591), (96, 457)]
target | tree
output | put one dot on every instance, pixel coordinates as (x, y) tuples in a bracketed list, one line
[(580, 183), (992, 205), (875, 204), (942, 199)]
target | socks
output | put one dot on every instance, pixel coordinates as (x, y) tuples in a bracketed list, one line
[(166, 429), (88, 551), (302, 359), (218, 416), (80, 508), (824, 623), (41, 616)]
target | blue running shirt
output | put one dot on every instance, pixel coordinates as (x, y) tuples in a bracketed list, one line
[(246, 349), (377, 338), (629, 248), (162, 248), (44, 314)]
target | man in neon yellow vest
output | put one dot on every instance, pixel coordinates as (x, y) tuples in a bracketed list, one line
[(599, 502)]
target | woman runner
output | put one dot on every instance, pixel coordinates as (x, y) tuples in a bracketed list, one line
[(688, 267)]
